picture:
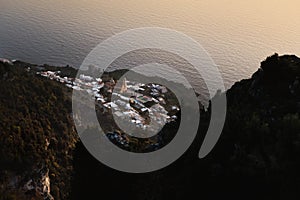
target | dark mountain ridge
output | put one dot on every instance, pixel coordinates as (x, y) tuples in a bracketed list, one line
[(257, 156)]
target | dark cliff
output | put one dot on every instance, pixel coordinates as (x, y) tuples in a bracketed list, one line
[(257, 156)]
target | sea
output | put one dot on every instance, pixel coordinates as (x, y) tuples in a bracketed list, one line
[(236, 34)]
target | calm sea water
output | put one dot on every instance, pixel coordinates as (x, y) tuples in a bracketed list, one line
[(237, 34)]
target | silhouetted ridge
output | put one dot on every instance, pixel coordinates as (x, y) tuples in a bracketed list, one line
[(256, 157)]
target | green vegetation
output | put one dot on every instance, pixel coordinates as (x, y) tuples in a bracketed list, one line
[(257, 156), (36, 132)]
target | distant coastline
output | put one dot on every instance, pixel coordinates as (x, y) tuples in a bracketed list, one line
[(256, 155)]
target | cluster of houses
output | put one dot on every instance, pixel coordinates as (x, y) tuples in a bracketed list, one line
[(82, 83), (3, 60), (141, 106), (137, 103), (119, 138)]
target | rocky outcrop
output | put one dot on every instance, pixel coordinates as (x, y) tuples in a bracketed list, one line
[(39, 184)]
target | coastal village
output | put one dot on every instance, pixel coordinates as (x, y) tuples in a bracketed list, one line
[(142, 107)]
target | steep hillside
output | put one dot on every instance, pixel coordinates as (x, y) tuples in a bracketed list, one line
[(37, 136), (257, 156)]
